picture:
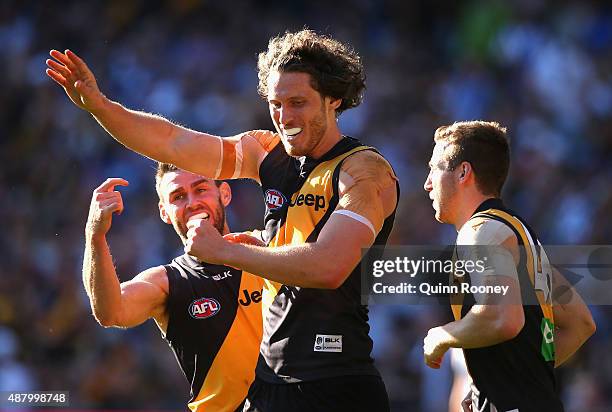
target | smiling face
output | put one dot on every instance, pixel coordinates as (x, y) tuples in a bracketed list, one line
[(185, 196), (441, 184), (304, 119)]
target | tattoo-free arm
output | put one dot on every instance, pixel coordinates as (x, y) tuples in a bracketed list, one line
[(124, 304), (573, 321)]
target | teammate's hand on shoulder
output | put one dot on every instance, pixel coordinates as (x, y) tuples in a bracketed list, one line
[(70, 71), (104, 202)]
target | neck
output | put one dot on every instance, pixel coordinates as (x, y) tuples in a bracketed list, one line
[(468, 207), (329, 140), (225, 229)]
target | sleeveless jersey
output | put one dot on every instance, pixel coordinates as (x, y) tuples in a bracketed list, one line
[(518, 373), (311, 334), (214, 329)]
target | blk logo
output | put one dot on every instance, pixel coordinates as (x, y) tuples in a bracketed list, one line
[(204, 308), (274, 199)]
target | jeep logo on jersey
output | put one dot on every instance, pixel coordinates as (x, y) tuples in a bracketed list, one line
[(204, 308), (317, 201), (274, 199)]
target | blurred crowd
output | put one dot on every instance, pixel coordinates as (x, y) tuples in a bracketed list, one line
[(542, 68)]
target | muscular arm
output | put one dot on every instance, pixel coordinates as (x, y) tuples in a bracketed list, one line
[(486, 325), (573, 321), (323, 264), (127, 304), (490, 321), (152, 135), (114, 304), (204, 154), (367, 193)]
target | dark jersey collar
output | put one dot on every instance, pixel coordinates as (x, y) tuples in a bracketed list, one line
[(493, 203), (307, 164)]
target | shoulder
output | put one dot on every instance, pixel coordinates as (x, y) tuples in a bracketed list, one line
[(267, 139), (156, 276), (368, 166), (484, 231), (367, 161)]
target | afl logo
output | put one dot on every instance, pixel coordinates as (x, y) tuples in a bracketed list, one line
[(274, 199), (204, 308)]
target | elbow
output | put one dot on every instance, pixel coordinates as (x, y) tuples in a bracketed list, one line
[(510, 324), (332, 278), (105, 321), (589, 327)]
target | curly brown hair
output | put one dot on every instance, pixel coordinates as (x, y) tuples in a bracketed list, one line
[(335, 68)]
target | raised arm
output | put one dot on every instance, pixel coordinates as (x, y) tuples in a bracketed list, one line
[(113, 304), (152, 135), (573, 321)]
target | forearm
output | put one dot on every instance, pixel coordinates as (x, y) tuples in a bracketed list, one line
[(477, 330), (100, 280), (568, 341), (159, 139), (304, 265)]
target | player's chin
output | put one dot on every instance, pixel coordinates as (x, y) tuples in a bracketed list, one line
[(294, 149), (439, 217)]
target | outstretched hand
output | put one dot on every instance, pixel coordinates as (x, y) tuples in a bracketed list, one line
[(104, 202), (70, 71)]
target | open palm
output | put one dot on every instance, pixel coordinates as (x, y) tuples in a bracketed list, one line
[(70, 71)]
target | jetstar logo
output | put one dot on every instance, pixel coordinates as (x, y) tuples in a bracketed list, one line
[(274, 199), (204, 308)]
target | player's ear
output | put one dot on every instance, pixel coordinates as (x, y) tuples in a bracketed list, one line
[(464, 169), (334, 103), (163, 214), (225, 193)]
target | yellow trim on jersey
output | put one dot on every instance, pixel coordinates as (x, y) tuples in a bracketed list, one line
[(233, 369), (533, 261), (310, 203)]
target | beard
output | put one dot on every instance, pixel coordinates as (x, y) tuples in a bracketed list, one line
[(306, 144), (216, 217)]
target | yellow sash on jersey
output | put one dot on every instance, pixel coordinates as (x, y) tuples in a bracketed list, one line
[(533, 263)]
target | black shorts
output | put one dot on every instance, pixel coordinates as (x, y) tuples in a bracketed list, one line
[(344, 393)]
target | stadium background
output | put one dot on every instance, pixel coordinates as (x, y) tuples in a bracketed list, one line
[(542, 68)]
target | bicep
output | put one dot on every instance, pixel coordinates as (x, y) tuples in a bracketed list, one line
[(367, 187), (218, 157), (144, 297), (240, 156)]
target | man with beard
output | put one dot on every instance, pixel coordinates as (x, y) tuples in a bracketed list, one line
[(209, 314), (511, 344), (328, 198)]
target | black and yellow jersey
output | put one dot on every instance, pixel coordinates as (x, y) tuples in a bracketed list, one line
[(312, 334), (518, 374), (214, 329)]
